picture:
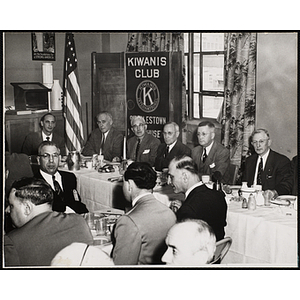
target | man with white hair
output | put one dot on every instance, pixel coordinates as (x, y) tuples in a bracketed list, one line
[(190, 243), (142, 147)]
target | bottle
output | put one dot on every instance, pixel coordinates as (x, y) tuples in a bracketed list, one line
[(251, 202), (260, 200)]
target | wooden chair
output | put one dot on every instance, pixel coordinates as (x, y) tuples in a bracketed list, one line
[(222, 248)]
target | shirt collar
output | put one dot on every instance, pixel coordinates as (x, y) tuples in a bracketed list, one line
[(264, 157), (192, 187), (172, 145), (44, 136), (208, 148), (136, 199), (48, 178)]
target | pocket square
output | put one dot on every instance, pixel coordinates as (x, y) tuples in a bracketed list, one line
[(146, 151), (212, 165)]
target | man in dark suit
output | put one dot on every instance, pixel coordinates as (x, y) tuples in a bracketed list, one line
[(200, 201), (142, 147), (105, 139), (140, 233), (63, 183), (40, 232), (34, 139), (171, 147), (210, 156), (266, 167)]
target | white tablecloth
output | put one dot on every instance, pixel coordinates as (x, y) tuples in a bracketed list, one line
[(266, 236)]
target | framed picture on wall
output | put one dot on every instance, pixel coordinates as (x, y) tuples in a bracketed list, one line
[(43, 45)]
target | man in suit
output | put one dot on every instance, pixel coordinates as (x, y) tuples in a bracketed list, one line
[(210, 156), (139, 234), (191, 242), (63, 183), (200, 201), (105, 139), (142, 147), (34, 139), (266, 167), (40, 232), (171, 147)]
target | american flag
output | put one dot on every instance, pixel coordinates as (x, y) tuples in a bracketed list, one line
[(72, 101)]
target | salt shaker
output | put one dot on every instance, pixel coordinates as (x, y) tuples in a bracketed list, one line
[(251, 202)]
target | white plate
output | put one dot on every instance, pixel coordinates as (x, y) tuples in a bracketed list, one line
[(282, 202), (287, 197)]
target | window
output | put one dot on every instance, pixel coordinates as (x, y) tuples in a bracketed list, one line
[(204, 62)]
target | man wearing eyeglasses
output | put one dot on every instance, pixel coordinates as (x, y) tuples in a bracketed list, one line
[(63, 183), (104, 140), (142, 147), (266, 167)]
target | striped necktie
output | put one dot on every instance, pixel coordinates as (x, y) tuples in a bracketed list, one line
[(204, 156)]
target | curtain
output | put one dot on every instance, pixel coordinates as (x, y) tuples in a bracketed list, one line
[(162, 42), (238, 117)]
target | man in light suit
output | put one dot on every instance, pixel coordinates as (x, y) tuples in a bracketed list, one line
[(275, 174), (34, 139), (171, 147), (142, 147), (200, 201), (140, 233), (40, 232), (105, 139), (210, 156), (64, 184)]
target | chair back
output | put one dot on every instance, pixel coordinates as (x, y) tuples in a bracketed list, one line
[(222, 248)]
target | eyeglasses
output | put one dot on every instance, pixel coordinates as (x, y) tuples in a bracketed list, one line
[(47, 156), (258, 142), (137, 126)]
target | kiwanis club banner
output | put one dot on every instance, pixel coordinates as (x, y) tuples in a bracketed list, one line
[(147, 88)]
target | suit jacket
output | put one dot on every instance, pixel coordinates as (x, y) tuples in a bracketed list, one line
[(140, 233), (217, 160), (208, 205), (147, 151), (69, 186), (162, 162), (275, 176), (33, 140), (39, 240), (113, 145), (294, 172)]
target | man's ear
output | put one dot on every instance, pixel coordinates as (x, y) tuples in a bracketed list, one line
[(185, 176), (28, 206), (145, 126), (269, 143), (213, 135), (38, 159)]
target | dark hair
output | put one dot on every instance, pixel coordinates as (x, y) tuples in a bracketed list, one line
[(47, 143), (206, 123), (187, 163), (47, 114), (142, 174), (38, 191)]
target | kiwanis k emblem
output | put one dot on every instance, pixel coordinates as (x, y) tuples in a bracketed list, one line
[(147, 96)]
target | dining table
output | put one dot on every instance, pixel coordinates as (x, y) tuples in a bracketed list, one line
[(266, 236), (263, 237)]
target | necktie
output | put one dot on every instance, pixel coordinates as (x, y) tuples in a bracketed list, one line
[(167, 151), (48, 138), (57, 187), (204, 156), (259, 172), (137, 149), (102, 144)]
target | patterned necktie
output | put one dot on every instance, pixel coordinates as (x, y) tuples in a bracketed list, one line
[(167, 151), (137, 149), (204, 156), (57, 187), (259, 172)]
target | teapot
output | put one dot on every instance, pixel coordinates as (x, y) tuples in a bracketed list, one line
[(73, 160)]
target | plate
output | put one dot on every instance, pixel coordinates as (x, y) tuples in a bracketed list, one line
[(282, 202), (235, 187), (287, 197)]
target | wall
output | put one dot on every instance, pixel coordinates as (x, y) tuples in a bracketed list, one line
[(277, 90), (19, 65)]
